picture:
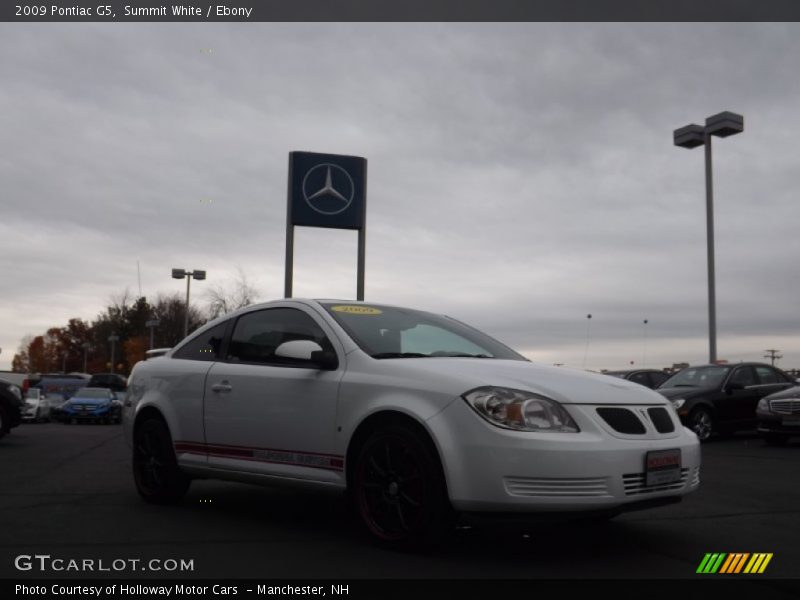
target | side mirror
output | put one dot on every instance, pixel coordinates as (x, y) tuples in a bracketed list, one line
[(733, 386), (309, 351)]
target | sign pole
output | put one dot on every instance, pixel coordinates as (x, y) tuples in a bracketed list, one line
[(362, 252), (289, 266)]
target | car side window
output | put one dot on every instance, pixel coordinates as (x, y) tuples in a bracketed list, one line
[(640, 378), (258, 334), (658, 379), (206, 346), (768, 375), (744, 376)]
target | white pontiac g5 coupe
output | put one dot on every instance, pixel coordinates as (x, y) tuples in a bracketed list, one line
[(418, 416)]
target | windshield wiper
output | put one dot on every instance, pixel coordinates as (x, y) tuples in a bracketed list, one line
[(461, 355), (400, 355)]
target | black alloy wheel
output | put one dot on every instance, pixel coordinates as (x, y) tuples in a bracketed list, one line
[(701, 422), (399, 489), (158, 477)]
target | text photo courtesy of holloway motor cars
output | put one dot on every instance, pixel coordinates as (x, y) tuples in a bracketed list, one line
[(342, 304)]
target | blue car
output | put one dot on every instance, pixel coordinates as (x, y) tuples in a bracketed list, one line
[(98, 405)]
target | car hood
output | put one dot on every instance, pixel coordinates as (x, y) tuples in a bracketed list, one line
[(683, 392), (563, 384), (90, 401), (792, 392), (32, 402)]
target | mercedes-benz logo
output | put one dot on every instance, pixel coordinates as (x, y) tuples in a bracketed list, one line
[(328, 189)]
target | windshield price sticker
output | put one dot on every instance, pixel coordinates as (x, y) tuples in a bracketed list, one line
[(662, 466), (357, 310)]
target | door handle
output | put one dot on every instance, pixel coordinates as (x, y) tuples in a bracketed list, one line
[(222, 386)]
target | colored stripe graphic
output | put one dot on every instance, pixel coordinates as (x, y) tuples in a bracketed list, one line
[(711, 562), (734, 563), (758, 563)]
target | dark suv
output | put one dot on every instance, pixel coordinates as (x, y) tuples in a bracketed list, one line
[(10, 406), (110, 381), (722, 398)]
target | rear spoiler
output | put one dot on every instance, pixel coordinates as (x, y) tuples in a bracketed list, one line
[(156, 352)]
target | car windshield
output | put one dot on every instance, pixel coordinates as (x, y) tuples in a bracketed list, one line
[(392, 332), (697, 377), (91, 394)]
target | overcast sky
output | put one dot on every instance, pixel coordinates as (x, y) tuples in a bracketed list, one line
[(521, 176)]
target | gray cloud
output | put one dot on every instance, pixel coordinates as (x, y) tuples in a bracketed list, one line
[(520, 175)]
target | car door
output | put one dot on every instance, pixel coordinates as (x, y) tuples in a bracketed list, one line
[(742, 392), (270, 415)]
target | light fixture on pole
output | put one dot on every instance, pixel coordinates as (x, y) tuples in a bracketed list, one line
[(113, 338), (180, 274), (722, 124)]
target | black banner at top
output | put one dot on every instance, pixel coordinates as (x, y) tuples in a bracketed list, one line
[(400, 10)]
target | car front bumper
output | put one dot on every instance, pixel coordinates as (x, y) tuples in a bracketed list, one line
[(488, 468), (778, 424)]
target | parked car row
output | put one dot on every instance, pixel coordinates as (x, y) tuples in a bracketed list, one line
[(725, 398), (74, 398)]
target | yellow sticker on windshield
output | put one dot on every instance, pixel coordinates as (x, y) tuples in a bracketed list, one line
[(357, 310)]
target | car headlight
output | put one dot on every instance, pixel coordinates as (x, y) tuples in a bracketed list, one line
[(520, 410), (763, 405), (677, 403), (15, 391)]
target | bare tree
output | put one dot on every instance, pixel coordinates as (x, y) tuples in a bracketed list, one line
[(230, 295)]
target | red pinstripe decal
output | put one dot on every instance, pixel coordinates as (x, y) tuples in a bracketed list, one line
[(315, 460)]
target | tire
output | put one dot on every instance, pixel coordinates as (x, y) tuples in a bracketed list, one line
[(399, 491), (3, 421), (701, 422), (776, 439), (156, 473)]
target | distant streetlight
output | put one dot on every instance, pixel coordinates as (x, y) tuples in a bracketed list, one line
[(722, 124), (113, 338), (586, 352), (152, 324), (86, 346), (644, 347), (180, 274)]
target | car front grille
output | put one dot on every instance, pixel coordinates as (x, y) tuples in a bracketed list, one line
[(661, 420), (634, 483), (653, 422), (622, 420), (580, 487), (790, 406)]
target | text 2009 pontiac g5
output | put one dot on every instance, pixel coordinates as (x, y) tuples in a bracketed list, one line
[(417, 416)]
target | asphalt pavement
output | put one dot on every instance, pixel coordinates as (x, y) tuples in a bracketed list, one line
[(66, 492)]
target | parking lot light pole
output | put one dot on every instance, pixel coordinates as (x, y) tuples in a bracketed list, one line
[(180, 274), (113, 338), (152, 324), (722, 124)]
